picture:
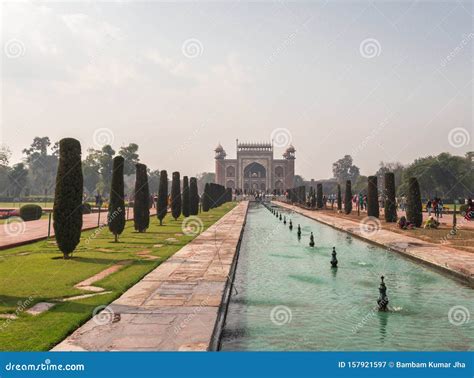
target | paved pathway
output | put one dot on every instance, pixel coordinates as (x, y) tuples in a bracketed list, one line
[(455, 261), (17, 232), (175, 307)]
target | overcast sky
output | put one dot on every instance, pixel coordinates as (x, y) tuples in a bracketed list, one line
[(387, 81)]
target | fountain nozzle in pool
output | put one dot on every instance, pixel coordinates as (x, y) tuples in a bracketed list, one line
[(382, 302), (299, 231), (334, 259), (284, 220), (291, 225), (311, 240)]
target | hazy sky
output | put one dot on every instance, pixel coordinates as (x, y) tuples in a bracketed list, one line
[(385, 81)]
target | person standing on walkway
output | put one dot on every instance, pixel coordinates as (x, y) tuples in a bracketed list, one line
[(428, 207), (440, 208)]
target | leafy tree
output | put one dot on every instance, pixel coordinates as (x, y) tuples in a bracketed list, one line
[(5, 155), (186, 210), (445, 176), (67, 208), (176, 195), (298, 180), (396, 168), (319, 196), (116, 216), (204, 178), (390, 201), (193, 196), (344, 170), (130, 155), (339, 197), (154, 180), (141, 204), (91, 173), (162, 205), (348, 198), (372, 197), (103, 159), (414, 205), (17, 177), (42, 166)]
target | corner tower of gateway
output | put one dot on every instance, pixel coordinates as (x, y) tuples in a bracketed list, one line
[(255, 169)]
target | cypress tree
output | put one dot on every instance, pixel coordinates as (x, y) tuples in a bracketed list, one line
[(141, 204), (67, 209), (206, 200), (414, 205), (162, 205), (313, 198), (185, 199), (390, 201), (319, 196), (116, 215), (176, 195), (193, 196), (348, 198), (339, 197), (372, 197)]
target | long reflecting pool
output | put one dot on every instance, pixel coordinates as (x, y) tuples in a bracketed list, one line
[(287, 297)]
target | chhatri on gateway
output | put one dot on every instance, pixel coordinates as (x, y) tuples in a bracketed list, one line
[(255, 168)]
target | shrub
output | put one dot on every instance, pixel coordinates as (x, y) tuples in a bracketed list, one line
[(175, 196), (372, 197), (68, 196), (193, 196), (339, 197), (162, 205), (116, 215), (348, 198), (141, 204), (185, 199), (414, 205), (390, 200), (30, 212), (86, 208)]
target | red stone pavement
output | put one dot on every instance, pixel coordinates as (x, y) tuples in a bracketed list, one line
[(16, 232)]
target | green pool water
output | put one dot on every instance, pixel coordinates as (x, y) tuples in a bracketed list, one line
[(287, 297)]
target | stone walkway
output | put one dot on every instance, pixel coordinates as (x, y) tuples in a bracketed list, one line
[(457, 262), (18, 232), (177, 306)]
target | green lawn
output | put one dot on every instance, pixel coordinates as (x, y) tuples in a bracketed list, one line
[(16, 205), (44, 276)]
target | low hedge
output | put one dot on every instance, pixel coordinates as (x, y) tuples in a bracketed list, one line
[(30, 212)]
